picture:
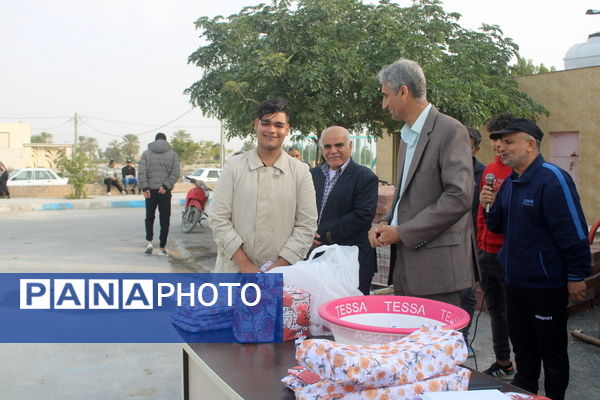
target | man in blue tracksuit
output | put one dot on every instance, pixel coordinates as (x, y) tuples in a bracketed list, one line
[(546, 255)]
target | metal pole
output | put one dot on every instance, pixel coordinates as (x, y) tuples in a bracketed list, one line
[(76, 134), (222, 155)]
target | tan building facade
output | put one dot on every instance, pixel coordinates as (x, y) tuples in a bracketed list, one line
[(572, 131), (17, 151)]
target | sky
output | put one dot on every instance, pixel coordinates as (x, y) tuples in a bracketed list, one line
[(121, 65)]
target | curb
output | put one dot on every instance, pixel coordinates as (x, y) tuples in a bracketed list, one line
[(85, 204)]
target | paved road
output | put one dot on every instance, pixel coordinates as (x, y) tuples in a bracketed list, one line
[(104, 240), (112, 240)]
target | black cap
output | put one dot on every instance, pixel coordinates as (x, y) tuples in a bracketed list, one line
[(519, 125), (128, 161)]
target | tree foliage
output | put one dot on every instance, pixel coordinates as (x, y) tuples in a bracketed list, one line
[(525, 67), (42, 137), (323, 57), (248, 145), (114, 151), (89, 146), (79, 171), (186, 149), (209, 151), (130, 146)]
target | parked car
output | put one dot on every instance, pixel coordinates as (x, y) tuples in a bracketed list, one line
[(35, 176), (207, 175)]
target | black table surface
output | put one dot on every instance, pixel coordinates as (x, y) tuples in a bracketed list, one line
[(254, 371)]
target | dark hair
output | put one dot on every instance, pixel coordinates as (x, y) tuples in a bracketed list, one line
[(160, 136), (293, 148), (273, 106), (475, 135), (499, 121), (111, 161)]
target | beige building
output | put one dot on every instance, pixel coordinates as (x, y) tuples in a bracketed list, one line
[(572, 131), (17, 151)]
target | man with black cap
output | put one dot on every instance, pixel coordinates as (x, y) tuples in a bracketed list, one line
[(128, 173), (159, 170), (545, 256)]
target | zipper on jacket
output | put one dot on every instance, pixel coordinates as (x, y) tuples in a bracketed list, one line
[(543, 266), (507, 242)]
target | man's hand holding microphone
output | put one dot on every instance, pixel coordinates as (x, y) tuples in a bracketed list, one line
[(487, 196)]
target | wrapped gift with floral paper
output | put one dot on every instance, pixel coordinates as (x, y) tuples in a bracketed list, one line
[(296, 313)]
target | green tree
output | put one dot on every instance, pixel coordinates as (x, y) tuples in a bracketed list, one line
[(209, 151), (323, 57), (42, 137), (79, 171), (130, 146), (89, 146), (114, 151), (525, 67), (248, 145), (187, 150)]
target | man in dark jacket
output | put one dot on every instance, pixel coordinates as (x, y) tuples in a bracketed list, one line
[(346, 195), (546, 255), (159, 171), (128, 173)]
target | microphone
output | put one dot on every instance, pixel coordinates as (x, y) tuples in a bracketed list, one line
[(489, 181)]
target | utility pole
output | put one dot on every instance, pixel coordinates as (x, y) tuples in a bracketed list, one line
[(222, 155), (76, 134)]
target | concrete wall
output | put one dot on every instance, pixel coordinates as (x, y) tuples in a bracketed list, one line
[(17, 151), (12, 138)]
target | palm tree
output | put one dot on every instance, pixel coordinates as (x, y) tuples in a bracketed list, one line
[(88, 146), (130, 145), (42, 137), (114, 151)]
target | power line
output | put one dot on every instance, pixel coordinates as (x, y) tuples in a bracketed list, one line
[(146, 124), (52, 127), (170, 122), (86, 123), (34, 117)]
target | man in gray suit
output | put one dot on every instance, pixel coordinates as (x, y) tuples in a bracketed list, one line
[(429, 224)]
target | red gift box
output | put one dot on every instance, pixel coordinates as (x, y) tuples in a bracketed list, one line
[(296, 313)]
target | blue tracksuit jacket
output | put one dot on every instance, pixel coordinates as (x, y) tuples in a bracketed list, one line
[(545, 233)]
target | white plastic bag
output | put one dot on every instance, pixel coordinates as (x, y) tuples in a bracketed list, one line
[(331, 276)]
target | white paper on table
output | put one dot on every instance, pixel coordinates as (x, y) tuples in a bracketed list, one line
[(488, 394)]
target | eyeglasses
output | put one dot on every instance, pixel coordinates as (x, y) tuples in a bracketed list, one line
[(336, 145)]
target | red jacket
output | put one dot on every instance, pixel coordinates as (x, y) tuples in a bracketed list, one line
[(488, 241)]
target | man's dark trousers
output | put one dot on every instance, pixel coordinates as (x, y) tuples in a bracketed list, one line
[(163, 202), (537, 324), (492, 283)]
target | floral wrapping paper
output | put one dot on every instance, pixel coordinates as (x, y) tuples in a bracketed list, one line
[(296, 313), (259, 324), (455, 380), (426, 353), (198, 318)]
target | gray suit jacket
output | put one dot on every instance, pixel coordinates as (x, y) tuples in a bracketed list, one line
[(434, 223)]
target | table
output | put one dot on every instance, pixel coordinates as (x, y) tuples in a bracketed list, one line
[(215, 371)]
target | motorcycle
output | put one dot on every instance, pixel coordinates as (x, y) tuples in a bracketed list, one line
[(196, 200)]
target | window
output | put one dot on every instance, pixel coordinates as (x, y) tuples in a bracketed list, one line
[(213, 174), (23, 176), (43, 175), (198, 172)]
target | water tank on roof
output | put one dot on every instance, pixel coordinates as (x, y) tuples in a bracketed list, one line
[(585, 54)]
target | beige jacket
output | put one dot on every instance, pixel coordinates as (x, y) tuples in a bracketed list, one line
[(270, 211)]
